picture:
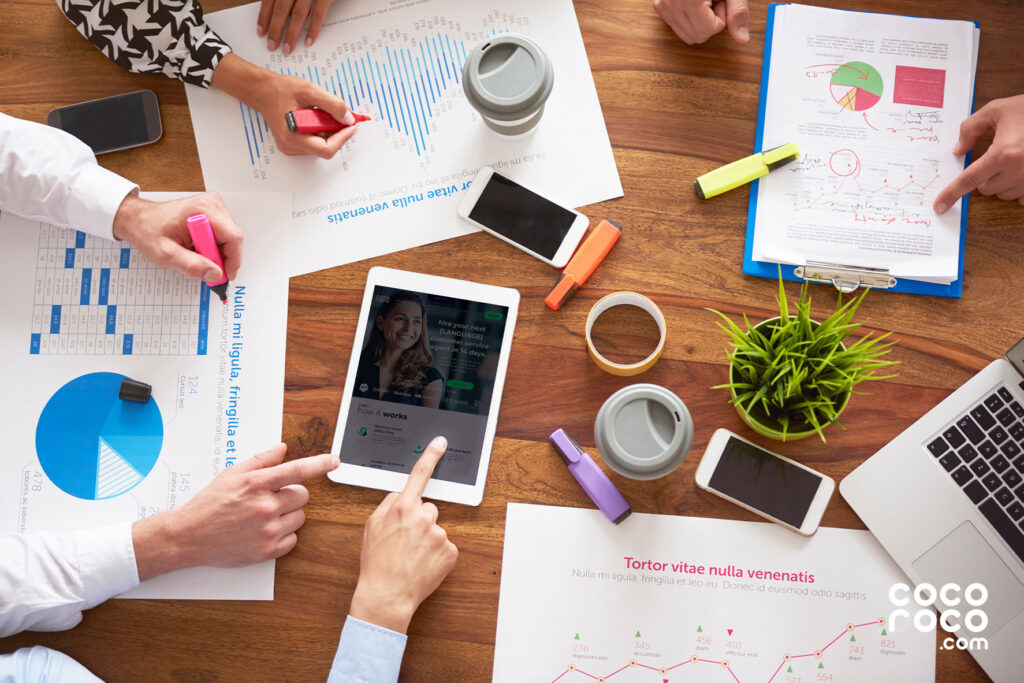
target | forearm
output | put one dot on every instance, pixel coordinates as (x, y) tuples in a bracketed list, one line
[(161, 545), (243, 80)]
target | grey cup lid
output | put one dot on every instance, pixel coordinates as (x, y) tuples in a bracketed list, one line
[(643, 431), (507, 77)]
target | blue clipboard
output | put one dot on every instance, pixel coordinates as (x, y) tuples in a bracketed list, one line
[(765, 269)]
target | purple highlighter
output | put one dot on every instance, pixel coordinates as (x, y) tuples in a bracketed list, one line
[(594, 481)]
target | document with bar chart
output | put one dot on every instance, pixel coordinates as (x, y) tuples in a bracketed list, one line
[(664, 599), (397, 183), (81, 315)]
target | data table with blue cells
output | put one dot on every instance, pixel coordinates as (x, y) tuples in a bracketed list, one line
[(98, 297)]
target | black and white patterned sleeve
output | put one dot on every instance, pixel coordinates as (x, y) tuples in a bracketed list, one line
[(166, 37)]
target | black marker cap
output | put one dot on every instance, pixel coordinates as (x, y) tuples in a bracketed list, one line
[(132, 390)]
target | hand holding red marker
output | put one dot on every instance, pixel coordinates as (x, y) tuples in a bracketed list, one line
[(315, 120), (205, 243)]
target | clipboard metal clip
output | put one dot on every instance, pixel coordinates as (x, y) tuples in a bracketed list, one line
[(846, 278)]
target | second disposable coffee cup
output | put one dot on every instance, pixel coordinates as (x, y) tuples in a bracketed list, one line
[(507, 79), (643, 431)]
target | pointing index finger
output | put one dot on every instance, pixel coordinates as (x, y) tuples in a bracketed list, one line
[(299, 470), (424, 467)]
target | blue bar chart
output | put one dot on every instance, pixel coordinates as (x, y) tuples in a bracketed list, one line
[(98, 297), (404, 80)]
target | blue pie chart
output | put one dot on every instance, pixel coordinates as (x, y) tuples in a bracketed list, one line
[(91, 444)]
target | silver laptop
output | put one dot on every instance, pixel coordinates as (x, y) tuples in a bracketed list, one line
[(946, 500)]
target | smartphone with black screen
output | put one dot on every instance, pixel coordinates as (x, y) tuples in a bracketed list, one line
[(767, 484), (522, 217), (112, 123)]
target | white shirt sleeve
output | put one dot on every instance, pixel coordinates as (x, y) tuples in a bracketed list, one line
[(48, 579), (36, 664), (51, 176)]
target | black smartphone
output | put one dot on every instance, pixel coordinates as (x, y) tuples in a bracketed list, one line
[(112, 123)]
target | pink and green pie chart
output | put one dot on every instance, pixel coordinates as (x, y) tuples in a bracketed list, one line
[(856, 86)]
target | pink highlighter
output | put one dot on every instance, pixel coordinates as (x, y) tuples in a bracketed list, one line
[(204, 242)]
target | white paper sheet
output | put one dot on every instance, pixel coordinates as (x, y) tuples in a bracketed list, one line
[(574, 609), (874, 102), (80, 313), (397, 183)]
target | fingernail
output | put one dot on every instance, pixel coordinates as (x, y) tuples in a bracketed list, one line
[(212, 275), (335, 461), (260, 30), (271, 44), (309, 41), (940, 208), (440, 442), (349, 119), (744, 33), (286, 48)]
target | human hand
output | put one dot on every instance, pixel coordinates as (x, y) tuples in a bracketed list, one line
[(248, 514), (274, 14), (274, 95), (159, 231), (405, 554), (1000, 170), (694, 21)]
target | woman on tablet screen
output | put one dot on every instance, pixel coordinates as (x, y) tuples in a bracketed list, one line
[(395, 363)]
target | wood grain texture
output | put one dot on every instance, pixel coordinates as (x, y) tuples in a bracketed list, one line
[(673, 112)]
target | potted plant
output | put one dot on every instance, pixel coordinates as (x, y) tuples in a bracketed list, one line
[(791, 376)]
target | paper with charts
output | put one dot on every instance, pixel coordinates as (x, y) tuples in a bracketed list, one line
[(397, 183), (683, 599), (874, 102), (79, 315)]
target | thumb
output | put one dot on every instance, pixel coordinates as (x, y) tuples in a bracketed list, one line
[(737, 17), (335, 106), (190, 263), (268, 458)]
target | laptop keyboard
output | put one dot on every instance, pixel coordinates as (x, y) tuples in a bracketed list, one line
[(983, 452)]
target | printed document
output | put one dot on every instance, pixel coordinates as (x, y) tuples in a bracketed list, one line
[(81, 315), (874, 103), (397, 183), (665, 598)]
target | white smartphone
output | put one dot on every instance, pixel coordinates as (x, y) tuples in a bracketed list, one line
[(767, 484), (523, 218), (112, 123)]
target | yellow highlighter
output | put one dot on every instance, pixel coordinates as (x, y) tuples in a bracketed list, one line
[(741, 172)]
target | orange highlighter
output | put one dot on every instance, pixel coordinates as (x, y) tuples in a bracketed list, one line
[(584, 262)]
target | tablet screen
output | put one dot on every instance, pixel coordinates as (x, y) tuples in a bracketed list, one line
[(427, 367)]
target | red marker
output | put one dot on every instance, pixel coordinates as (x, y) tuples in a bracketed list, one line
[(317, 121), (206, 244)]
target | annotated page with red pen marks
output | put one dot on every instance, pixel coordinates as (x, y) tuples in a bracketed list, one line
[(874, 102)]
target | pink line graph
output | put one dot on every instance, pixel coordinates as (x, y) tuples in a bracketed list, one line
[(852, 171), (723, 663)]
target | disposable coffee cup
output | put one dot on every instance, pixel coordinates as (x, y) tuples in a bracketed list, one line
[(507, 79), (643, 431)]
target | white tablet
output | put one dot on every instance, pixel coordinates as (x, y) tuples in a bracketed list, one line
[(429, 359)]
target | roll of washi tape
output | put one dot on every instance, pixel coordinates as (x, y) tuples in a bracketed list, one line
[(625, 299)]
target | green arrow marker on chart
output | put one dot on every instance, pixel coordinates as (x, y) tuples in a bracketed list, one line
[(821, 665), (789, 670), (700, 630), (638, 634), (884, 633), (577, 637), (853, 638)]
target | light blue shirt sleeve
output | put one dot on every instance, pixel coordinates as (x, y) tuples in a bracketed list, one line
[(34, 664), (367, 653)]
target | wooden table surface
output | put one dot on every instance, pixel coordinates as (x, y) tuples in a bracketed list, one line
[(673, 112)]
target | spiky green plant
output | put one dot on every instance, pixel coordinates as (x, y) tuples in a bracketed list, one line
[(796, 371)]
